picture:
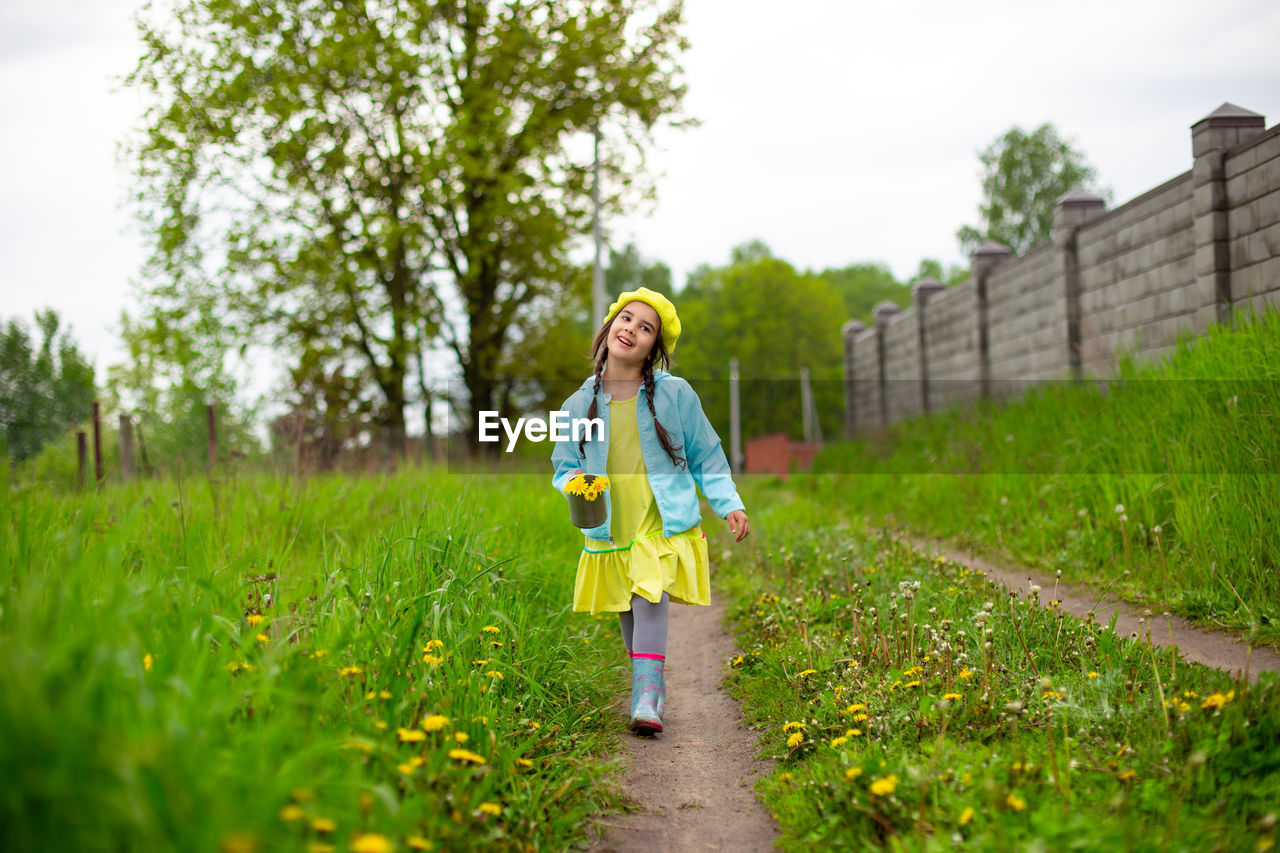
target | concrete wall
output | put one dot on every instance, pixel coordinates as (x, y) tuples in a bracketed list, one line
[(1198, 249)]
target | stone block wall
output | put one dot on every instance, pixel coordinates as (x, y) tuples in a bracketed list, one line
[(1198, 249)]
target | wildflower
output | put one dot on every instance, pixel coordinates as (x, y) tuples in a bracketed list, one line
[(853, 732), (1217, 700), (912, 684), (858, 706), (303, 795), (432, 660), (323, 824), (738, 661), (884, 786), (1127, 775), (240, 842), (371, 842), (590, 486), (784, 777), (852, 773), (1093, 674), (495, 644), (410, 735), (966, 815), (350, 670), (524, 762), (435, 722), (493, 673), (479, 662), (465, 756), (839, 741), (432, 645), (406, 768), (319, 653), (147, 660), (789, 726), (291, 812), (490, 808), (1119, 509), (417, 842), (491, 629), (262, 638), (806, 672), (859, 718), (795, 739), (380, 725), (461, 737), (951, 696), (320, 847), (1015, 802), (254, 619), (384, 694)]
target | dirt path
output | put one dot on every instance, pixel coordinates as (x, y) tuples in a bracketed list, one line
[(692, 784), (1210, 648)]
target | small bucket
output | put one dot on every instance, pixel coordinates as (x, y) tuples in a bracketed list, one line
[(584, 513)]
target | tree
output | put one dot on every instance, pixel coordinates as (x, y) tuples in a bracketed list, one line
[(774, 320), (1023, 176), (863, 286), (44, 389), (361, 180), (628, 270)]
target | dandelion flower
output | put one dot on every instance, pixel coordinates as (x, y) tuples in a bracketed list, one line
[(432, 660), (410, 735), (952, 696), (853, 732), (493, 673), (466, 756), (490, 808), (853, 773), (795, 725), (350, 670), (1127, 775), (291, 813), (432, 645), (966, 674), (320, 847), (795, 739), (855, 708), (839, 741), (435, 722), (491, 629), (147, 661), (807, 672), (1015, 802), (323, 824), (371, 842), (966, 815), (254, 619), (884, 786), (1215, 700), (1093, 674), (461, 737), (524, 762), (417, 842), (406, 768)]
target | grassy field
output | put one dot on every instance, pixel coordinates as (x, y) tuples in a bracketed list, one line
[(913, 705), (1163, 485), (332, 664)]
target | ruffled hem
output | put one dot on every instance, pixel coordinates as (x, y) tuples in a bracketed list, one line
[(648, 567)]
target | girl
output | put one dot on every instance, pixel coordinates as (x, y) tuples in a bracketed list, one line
[(657, 448)]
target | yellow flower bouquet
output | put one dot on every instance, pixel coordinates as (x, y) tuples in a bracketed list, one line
[(583, 490)]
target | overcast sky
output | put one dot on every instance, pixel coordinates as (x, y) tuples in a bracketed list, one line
[(835, 131)]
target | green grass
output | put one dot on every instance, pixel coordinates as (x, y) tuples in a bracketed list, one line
[(1163, 484), (230, 665), (913, 705)]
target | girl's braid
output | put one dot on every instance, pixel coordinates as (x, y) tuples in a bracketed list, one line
[(664, 437), (594, 408)]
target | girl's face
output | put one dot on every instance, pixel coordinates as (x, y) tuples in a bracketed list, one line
[(633, 333)]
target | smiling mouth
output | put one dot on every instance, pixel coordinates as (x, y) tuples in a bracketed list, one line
[(625, 342)]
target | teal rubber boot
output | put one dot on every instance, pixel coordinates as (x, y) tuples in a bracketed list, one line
[(646, 684), (662, 691)]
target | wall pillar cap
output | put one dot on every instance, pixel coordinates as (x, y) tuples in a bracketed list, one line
[(853, 327), (1229, 115), (885, 311), (925, 288), (1080, 198), (992, 249)]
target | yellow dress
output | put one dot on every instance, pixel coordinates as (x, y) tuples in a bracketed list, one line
[(640, 560)]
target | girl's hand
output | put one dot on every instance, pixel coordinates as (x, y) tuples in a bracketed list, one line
[(738, 524)]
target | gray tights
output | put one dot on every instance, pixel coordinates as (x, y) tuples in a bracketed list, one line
[(644, 626)]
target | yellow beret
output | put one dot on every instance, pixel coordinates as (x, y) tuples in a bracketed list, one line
[(661, 304)]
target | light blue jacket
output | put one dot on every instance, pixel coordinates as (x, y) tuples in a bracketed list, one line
[(674, 488)]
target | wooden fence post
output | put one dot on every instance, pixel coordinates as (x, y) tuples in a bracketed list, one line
[(82, 452), (97, 443), (126, 447), (212, 418)]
